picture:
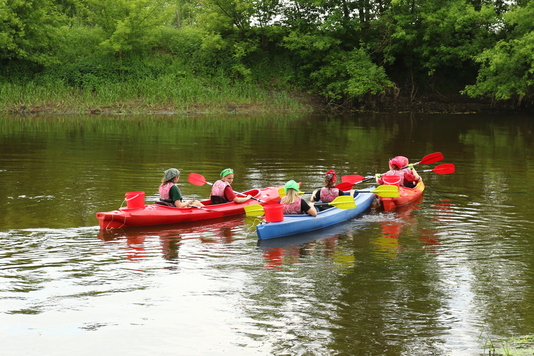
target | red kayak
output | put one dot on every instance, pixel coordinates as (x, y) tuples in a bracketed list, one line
[(156, 214), (407, 195)]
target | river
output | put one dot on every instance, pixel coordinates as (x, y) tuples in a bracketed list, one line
[(439, 277)]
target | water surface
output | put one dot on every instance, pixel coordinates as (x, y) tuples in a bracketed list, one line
[(438, 277)]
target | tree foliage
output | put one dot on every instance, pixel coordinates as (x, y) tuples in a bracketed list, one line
[(343, 50), (28, 30), (507, 69)]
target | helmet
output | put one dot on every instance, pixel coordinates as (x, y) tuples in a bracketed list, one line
[(333, 176), (171, 173), (398, 162), (291, 185), (226, 172)]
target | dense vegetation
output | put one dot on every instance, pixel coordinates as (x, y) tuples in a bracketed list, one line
[(190, 53)]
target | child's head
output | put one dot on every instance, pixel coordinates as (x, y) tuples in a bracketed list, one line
[(398, 162), (292, 191), (330, 178)]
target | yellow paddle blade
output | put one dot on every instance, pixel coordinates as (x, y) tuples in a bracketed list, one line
[(254, 210), (282, 192), (342, 202), (386, 191)]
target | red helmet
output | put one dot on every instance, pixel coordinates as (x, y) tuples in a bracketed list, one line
[(331, 175), (398, 162)]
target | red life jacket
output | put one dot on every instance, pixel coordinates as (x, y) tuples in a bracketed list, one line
[(409, 177)]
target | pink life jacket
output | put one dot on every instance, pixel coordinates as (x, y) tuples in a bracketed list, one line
[(219, 187), (293, 208), (328, 194), (164, 190)]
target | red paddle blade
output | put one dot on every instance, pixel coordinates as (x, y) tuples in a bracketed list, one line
[(432, 158), (444, 168), (196, 179), (272, 201), (351, 178), (344, 186)]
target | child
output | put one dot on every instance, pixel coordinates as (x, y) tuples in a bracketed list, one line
[(293, 203)]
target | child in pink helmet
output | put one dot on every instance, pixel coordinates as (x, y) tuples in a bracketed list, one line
[(398, 175)]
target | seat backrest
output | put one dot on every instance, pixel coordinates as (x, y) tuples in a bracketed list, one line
[(217, 199)]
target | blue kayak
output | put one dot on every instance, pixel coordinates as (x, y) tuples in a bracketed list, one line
[(296, 224)]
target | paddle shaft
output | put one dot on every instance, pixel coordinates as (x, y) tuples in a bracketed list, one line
[(198, 179), (200, 207), (428, 159)]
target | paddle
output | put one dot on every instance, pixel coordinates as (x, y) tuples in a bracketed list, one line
[(446, 168), (200, 207), (386, 191), (254, 210), (198, 179), (351, 178), (428, 159), (342, 202)]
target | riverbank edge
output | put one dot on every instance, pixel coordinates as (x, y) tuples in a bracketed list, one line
[(303, 103)]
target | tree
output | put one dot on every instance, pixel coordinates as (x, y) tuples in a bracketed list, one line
[(129, 25), (507, 69), (29, 30)]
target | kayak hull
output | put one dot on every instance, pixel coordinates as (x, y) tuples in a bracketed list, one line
[(156, 214), (407, 195), (301, 223)]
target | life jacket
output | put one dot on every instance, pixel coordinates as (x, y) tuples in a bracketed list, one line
[(218, 190), (164, 192), (409, 177), (293, 208), (328, 194)]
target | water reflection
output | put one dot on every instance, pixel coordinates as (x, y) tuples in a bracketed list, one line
[(221, 230), (330, 244), (429, 281)]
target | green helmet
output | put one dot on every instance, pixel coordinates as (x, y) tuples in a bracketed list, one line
[(291, 185), (226, 172)]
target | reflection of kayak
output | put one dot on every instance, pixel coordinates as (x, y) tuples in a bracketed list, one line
[(172, 236), (156, 214), (296, 224), (407, 195)]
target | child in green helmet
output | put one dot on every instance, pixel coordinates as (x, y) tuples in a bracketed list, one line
[(222, 192), (293, 203)]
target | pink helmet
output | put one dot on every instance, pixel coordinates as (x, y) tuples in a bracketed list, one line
[(398, 162)]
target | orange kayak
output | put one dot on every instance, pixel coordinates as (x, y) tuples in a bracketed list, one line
[(407, 195)]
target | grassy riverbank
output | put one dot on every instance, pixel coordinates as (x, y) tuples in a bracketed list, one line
[(164, 96), (161, 96), (513, 346)]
